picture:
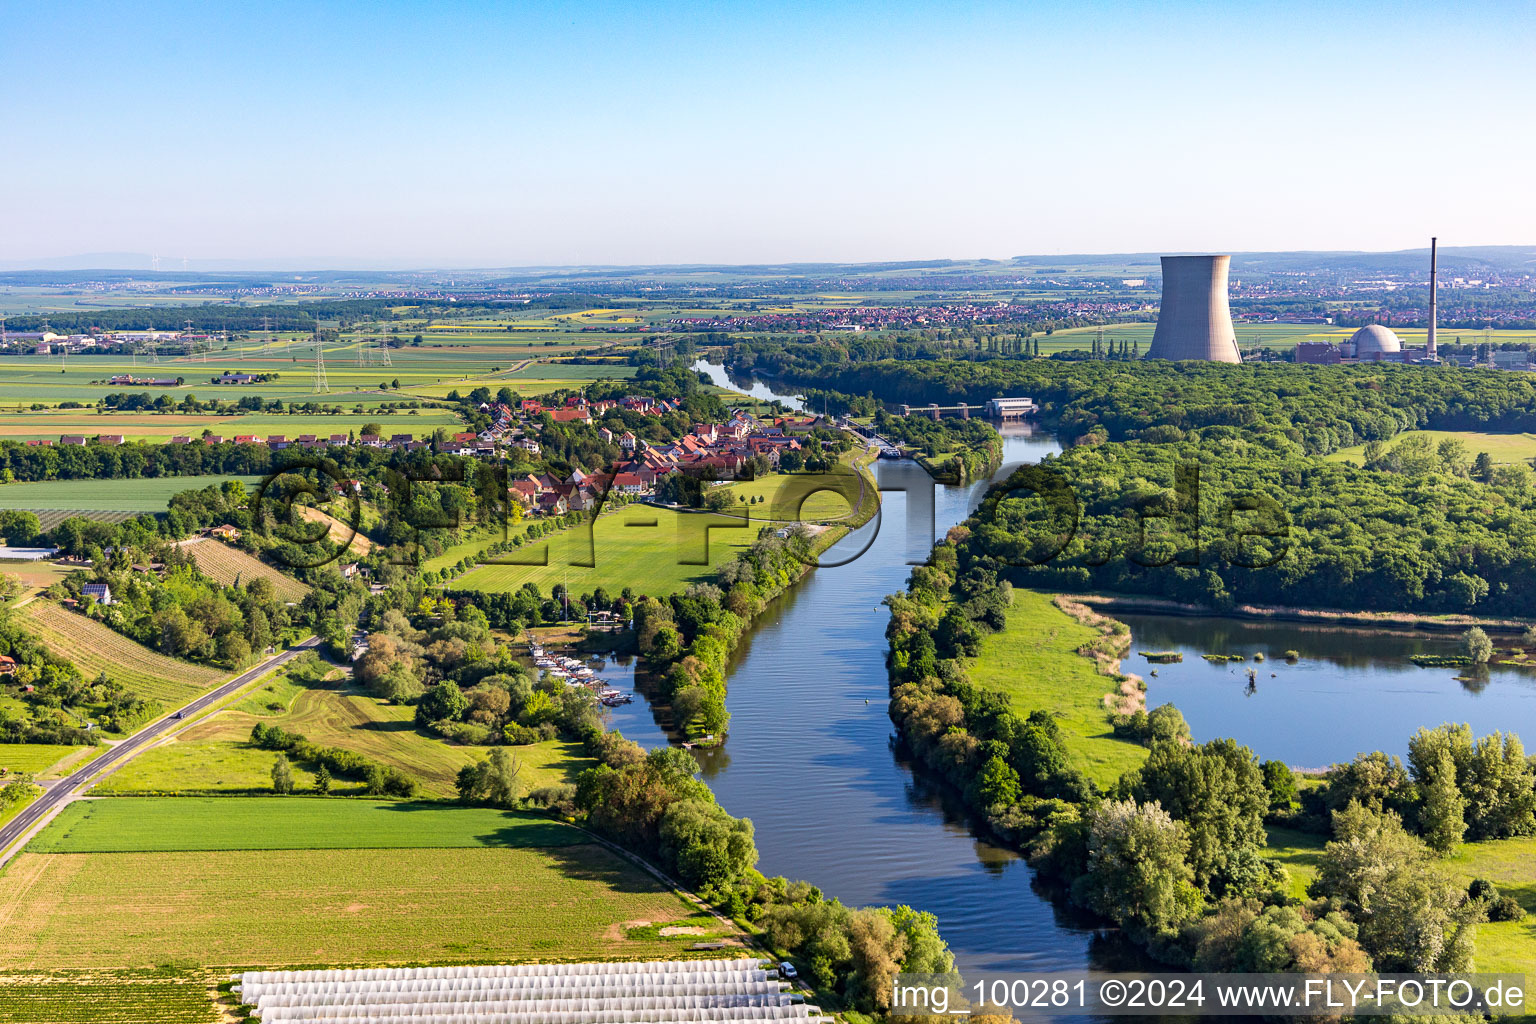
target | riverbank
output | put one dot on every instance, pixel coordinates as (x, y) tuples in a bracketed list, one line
[(1402, 622)]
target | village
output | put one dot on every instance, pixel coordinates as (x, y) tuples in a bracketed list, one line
[(709, 451)]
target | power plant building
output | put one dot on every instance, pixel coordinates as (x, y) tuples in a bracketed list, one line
[(1195, 320), (1376, 343)]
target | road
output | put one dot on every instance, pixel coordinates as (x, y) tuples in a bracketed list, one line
[(62, 790)]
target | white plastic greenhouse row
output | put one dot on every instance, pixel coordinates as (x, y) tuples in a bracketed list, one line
[(341, 1011), (576, 983), (385, 1015), (483, 989), (501, 971)]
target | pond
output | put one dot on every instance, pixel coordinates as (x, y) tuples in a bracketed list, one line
[(1351, 691)]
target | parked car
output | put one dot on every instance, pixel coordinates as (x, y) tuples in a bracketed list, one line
[(787, 970)]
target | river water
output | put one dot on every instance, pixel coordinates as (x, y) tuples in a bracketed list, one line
[(811, 756), (811, 759)]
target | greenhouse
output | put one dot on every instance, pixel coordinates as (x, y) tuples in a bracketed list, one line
[(656, 992)]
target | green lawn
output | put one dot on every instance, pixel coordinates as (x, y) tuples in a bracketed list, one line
[(1509, 864), (1506, 448), (789, 497), (480, 540), (654, 550), (151, 824), (1035, 661)]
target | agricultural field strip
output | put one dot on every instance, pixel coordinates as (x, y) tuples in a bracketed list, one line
[(132, 495), (126, 824)]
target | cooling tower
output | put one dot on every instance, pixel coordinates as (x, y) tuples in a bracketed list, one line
[(1195, 321)]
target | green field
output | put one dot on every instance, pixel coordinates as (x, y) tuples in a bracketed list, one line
[(223, 884), (235, 909), (32, 757), (1505, 448), (654, 550), (215, 755), (108, 997), (162, 824), (144, 494), (1034, 660), (139, 426)]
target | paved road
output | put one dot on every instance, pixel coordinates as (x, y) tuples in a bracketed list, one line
[(66, 787)]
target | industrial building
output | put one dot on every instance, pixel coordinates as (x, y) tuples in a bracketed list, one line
[(1195, 320), (1375, 343)]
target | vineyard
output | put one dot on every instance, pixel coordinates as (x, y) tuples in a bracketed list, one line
[(230, 566), (96, 649), (50, 518), (105, 998)]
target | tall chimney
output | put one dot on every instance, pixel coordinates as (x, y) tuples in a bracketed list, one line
[(1429, 347)]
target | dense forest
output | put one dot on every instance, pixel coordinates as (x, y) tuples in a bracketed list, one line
[(1321, 408), (1223, 516)]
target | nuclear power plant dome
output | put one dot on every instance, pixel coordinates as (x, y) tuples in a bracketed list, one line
[(1373, 341), (1194, 321)]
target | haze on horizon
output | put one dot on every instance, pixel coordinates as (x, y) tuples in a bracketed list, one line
[(488, 135)]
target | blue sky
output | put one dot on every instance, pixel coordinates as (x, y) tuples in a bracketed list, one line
[(415, 134)]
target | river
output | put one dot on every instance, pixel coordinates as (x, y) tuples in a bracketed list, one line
[(811, 755)]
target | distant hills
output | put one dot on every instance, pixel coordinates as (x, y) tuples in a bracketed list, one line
[(1460, 260)]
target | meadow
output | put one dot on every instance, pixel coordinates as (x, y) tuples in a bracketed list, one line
[(1510, 864), (654, 550), (1502, 448), (163, 824), (1034, 661), (230, 565), (96, 649), (215, 754), (785, 497), (143, 494)]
